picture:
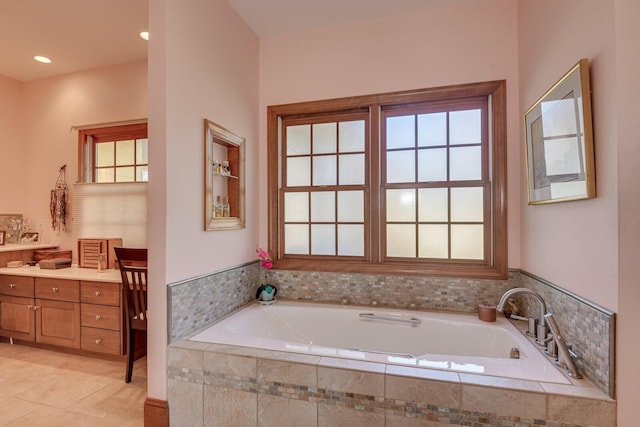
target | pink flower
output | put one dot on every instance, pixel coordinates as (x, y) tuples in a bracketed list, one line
[(267, 262)]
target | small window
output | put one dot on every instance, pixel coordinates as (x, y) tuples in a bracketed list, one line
[(114, 154)]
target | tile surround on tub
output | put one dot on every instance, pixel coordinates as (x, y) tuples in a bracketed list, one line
[(199, 302), (234, 388)]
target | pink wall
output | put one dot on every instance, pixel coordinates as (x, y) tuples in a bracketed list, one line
[(627, 90), (51, 107), (469, 42), (203, 64), (12, 173), (582, 234)]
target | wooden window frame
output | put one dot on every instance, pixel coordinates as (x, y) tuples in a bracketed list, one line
[(105, 134), (495, 267)]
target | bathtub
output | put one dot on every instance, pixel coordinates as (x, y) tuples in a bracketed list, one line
[(432, 340)]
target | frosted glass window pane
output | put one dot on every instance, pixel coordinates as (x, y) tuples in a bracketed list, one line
[(105, 175), (351, 169), (296, 207), (351, 136), (104, 153), (298, 140), (350, 206), (466, 204), (433, 241), (324, 170), (465, 163), (432, 129), (401, 240), (465, 127), (125, 174), (401, 166), (401, 132), (142, 173), (125, 152), (142, 150), (296, 239), (323, 239), (298, 174), (467, 241), (401, 205), (432, 165), (323, 206), (324, 138), (350, 239), (433, 205)]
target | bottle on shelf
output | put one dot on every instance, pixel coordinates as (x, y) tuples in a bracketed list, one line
[(217, 167), (217, 208), (225, 207), (226, 170)]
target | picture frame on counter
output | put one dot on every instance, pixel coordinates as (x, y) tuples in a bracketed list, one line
[(30, 237), (3, 238)]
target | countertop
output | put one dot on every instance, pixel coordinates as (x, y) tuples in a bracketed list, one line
[(26, 247), (71, 273)]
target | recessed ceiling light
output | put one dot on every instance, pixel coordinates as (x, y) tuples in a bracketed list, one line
[(145, 35), (42, 59)]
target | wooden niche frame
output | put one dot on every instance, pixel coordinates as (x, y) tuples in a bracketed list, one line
[(222, 145), (559, 141)]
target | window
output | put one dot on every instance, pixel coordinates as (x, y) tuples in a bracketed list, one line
[(114, 153), (409, 183)]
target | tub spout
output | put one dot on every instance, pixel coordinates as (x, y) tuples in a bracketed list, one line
[(541, 330)]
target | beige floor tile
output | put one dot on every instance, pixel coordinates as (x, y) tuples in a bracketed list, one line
[(47, 388)]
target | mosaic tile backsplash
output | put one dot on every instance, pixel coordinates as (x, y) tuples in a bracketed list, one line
[(199, 302)]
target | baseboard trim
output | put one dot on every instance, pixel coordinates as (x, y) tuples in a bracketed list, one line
[(156, 413)]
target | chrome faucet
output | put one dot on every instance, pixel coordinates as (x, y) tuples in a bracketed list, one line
[(565, 357), (541, 330)]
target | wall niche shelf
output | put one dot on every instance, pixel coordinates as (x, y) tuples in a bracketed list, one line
[(224, 178)]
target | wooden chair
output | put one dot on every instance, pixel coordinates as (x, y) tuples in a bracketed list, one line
[(133, 269)]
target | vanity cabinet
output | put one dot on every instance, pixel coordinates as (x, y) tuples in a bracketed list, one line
[(77, 314)]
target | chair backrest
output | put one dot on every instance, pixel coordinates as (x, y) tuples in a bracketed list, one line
[(133, 270)]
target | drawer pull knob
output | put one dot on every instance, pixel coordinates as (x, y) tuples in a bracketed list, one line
[(98, 293), (35, 307), (12, 285), (54, 289), (98, 317), (98, 340), (29, 307)]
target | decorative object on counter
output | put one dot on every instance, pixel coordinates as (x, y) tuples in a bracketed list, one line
[(89, 250), (54, 264), (11, 224), (30, 237), (266, 294), (14, 264), (102, 263), (58, 202), (487, 313), (3, 235)]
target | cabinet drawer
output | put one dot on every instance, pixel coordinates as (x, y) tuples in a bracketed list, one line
[(100, 340), (100, 316), (100, 293), (58, 289), (17, 286)]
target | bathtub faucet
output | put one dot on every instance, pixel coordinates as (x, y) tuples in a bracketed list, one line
[(541, 330)]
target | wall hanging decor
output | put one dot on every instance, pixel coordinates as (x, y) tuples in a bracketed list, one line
[(58, 202), (559, 141)]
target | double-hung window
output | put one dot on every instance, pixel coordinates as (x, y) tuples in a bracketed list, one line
[(408, 183)]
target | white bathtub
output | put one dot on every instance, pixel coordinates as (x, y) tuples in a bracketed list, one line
[(453, 342)]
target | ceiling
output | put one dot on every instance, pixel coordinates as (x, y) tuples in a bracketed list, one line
[(85, 34)]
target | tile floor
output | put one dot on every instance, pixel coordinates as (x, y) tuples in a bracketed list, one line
[(46, 388)]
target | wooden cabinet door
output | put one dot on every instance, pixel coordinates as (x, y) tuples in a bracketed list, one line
[(17, 319), (58, 323)]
